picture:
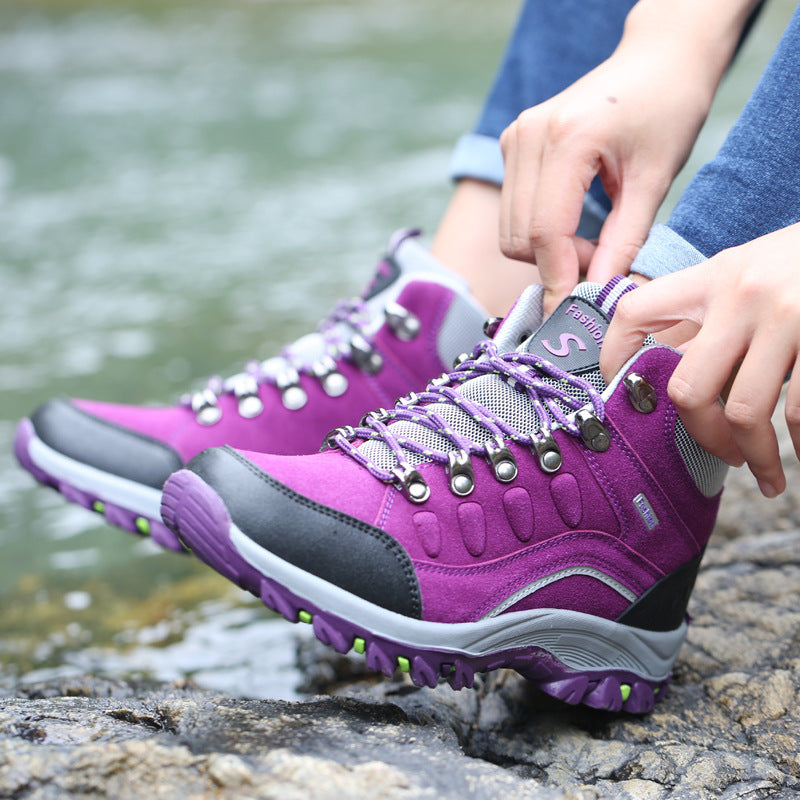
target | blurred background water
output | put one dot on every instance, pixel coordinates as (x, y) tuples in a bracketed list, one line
[(185, 186)]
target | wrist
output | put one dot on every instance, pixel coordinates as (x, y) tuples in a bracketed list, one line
[(693, 40)]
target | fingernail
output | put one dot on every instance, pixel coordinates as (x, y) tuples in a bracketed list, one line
[(767, 489)]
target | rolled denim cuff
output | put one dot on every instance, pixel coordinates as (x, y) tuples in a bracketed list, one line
[(478, 157), (665, 252)]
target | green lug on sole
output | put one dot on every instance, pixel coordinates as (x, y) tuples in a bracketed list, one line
[(142, 525)]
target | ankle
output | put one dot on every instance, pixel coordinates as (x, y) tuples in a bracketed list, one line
[(467, 241)]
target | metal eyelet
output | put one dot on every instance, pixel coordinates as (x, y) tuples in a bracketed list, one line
[(500, 457), (206, 410), (245, 389), (460, 359), (491, 325), (594, 434), (548, 452), (334, 384), (405, 325), (412, 484), (250, 406), (366, 358), (411, 399), (524, 336), (329, 442), (640, 392), (380, 415), (462, 476), (293, 395)]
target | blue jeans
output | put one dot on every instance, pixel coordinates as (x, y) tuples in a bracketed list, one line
[(752, 186), (549, 49)]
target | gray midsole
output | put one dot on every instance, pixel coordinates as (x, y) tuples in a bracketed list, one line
[(579, 641), (135, 497)]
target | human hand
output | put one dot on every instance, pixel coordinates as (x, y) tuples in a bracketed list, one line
[(608, 124), (632, 121), (745, 306)]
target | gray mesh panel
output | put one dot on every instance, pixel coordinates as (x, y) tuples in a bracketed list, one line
[(587, 291), (461, 330), (490, 391), (707, 471), (487, 390)]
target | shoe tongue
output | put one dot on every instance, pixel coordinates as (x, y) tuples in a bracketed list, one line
[(387, 273), (571, 337), (594, 306), (390, 267), (406, 256)]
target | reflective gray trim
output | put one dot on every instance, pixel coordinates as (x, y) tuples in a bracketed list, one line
[(540, 583)]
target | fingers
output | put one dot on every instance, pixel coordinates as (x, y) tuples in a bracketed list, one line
[(522, 160), (516, 192), (741, 430), (558, 204), (541, 204), (750, 405), (585, 250), (624, 231), (653, 307), (793, 408), (695, 387)]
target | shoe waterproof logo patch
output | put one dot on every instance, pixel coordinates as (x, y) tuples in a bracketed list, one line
[(572, 336), (645, 510)]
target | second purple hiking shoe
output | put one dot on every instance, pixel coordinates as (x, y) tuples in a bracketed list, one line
[(517, 513), (414, 317)]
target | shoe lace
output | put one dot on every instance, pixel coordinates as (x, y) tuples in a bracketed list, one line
[(557, 398), (343, 333)]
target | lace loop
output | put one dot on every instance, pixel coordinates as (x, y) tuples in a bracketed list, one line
[(342, 334), (549, 389)]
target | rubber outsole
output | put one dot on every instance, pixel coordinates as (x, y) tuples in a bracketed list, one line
[(200, 519), (130, 521)]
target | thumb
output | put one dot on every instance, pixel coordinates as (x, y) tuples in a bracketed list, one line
[(653, 307)]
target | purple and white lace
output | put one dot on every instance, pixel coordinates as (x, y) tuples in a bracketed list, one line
[(342, 334), (549, 389)]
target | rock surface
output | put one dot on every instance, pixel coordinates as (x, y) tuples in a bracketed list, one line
[(729, 728)]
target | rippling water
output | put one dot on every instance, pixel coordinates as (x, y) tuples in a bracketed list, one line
[(183, 187)]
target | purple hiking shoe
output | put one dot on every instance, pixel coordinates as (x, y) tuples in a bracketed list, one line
[(516, 513), (412, 320)]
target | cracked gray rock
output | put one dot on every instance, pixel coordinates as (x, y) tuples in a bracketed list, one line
[(728, 728)]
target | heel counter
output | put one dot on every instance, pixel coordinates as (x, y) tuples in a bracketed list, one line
[(663, 606)]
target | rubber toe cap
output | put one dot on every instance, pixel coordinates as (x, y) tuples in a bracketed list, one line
[(103, 445), (342, 550)]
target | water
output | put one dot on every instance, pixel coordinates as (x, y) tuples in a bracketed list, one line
[(183, 187)]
